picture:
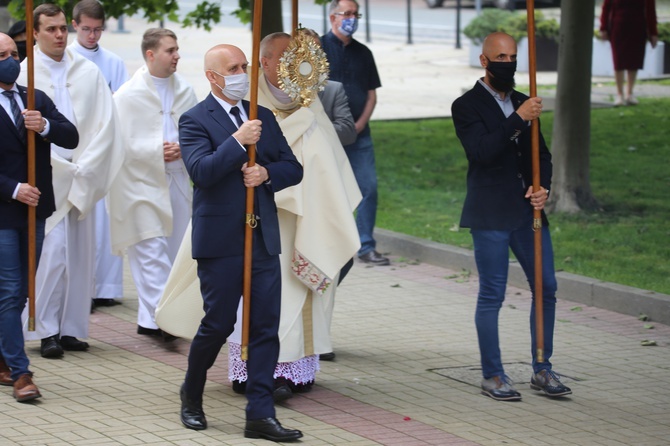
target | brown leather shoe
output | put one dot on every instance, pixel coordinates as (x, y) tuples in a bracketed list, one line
[(25, 389), (5, 374)]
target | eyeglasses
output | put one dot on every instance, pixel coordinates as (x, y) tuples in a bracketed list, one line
[(349, 14), (87, 30)]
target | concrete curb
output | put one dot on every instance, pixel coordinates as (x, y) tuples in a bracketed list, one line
[(585, 290)]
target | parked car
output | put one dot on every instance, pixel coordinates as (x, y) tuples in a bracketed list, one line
[(502, 4)]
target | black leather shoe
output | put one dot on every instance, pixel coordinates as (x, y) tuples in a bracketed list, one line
[(100, 302), (282, 393), (240, 387), (327, 356), (148, 331), (51, 348), (167, 337), (374, 258), (73, 344), (192, 415), (270, 429), (301, 388)]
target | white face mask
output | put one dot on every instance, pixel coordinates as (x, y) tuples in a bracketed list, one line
[(237, 86)]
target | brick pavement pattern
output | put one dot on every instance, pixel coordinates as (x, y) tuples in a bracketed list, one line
[(407, 367), (406, 373)]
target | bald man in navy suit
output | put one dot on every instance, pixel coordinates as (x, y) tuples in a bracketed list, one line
[(213, 136)]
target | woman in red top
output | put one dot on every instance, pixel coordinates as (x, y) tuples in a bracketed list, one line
[(628, 24)]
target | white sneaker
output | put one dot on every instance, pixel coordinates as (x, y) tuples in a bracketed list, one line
[(618, 102)]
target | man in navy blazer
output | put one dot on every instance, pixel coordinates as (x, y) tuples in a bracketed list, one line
[(493, 123), (16, 195), (213, 136)]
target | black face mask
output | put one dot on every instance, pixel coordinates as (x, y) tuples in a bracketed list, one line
[(21, 48), (502, 75)]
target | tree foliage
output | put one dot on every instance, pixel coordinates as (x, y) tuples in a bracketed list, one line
[(204, 15)]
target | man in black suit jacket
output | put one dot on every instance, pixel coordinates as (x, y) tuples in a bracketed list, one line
[(16, 195), (493, 123), (212, 136)]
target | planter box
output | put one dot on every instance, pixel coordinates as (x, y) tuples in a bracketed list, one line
[(602, 64), (547, 55), (546, 51)]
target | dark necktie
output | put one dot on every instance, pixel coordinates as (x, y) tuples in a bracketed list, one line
[(18, 117), (236, 112)]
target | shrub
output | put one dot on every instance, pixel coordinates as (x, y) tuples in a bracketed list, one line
[(484, 24), (664, 32), (517, 26), (514, 24)]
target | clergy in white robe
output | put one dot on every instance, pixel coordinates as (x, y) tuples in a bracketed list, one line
[(81, 177), (150, 201), (317, 228), (111, 65), (89, 24)]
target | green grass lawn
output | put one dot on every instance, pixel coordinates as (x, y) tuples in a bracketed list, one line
[(421, 168)]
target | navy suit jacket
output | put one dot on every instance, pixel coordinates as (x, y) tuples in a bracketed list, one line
[(214, 159), (498, 149), (14, 161)]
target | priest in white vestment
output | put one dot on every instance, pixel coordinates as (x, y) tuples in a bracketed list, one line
[(150, 201), (317, 228), (318, 236), (88, 21), (81, 177)]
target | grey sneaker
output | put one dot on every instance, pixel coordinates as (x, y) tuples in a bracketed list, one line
[(550, 383), (500, 388)]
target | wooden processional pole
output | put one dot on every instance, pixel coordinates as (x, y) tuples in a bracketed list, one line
[(251, 150), (30, 135), (537, 214), (294, 17)]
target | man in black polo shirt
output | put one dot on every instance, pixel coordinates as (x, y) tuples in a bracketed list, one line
[(352, 63)]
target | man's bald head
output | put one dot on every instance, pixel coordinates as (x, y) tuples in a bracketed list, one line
[(272, 47), (497, 43), (223, 60), (218, 56), (499, 58), (7, 47)]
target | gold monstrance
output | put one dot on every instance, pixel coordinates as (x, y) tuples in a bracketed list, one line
[(303, 69)]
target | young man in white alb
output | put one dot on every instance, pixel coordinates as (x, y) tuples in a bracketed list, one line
[(88, 20), (81, 177), (150, 201)]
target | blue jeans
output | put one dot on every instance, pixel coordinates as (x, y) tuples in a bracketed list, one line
[(492, 258), (362, 159), (14, 293)]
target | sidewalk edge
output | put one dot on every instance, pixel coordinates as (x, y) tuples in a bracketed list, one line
[(585, 290)]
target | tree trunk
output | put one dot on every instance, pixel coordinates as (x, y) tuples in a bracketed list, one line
[(571, 139)]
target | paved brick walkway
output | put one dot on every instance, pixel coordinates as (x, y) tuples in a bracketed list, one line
[(406, 373), (407, 366)]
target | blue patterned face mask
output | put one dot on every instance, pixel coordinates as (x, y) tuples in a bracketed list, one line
[(349, 26)]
